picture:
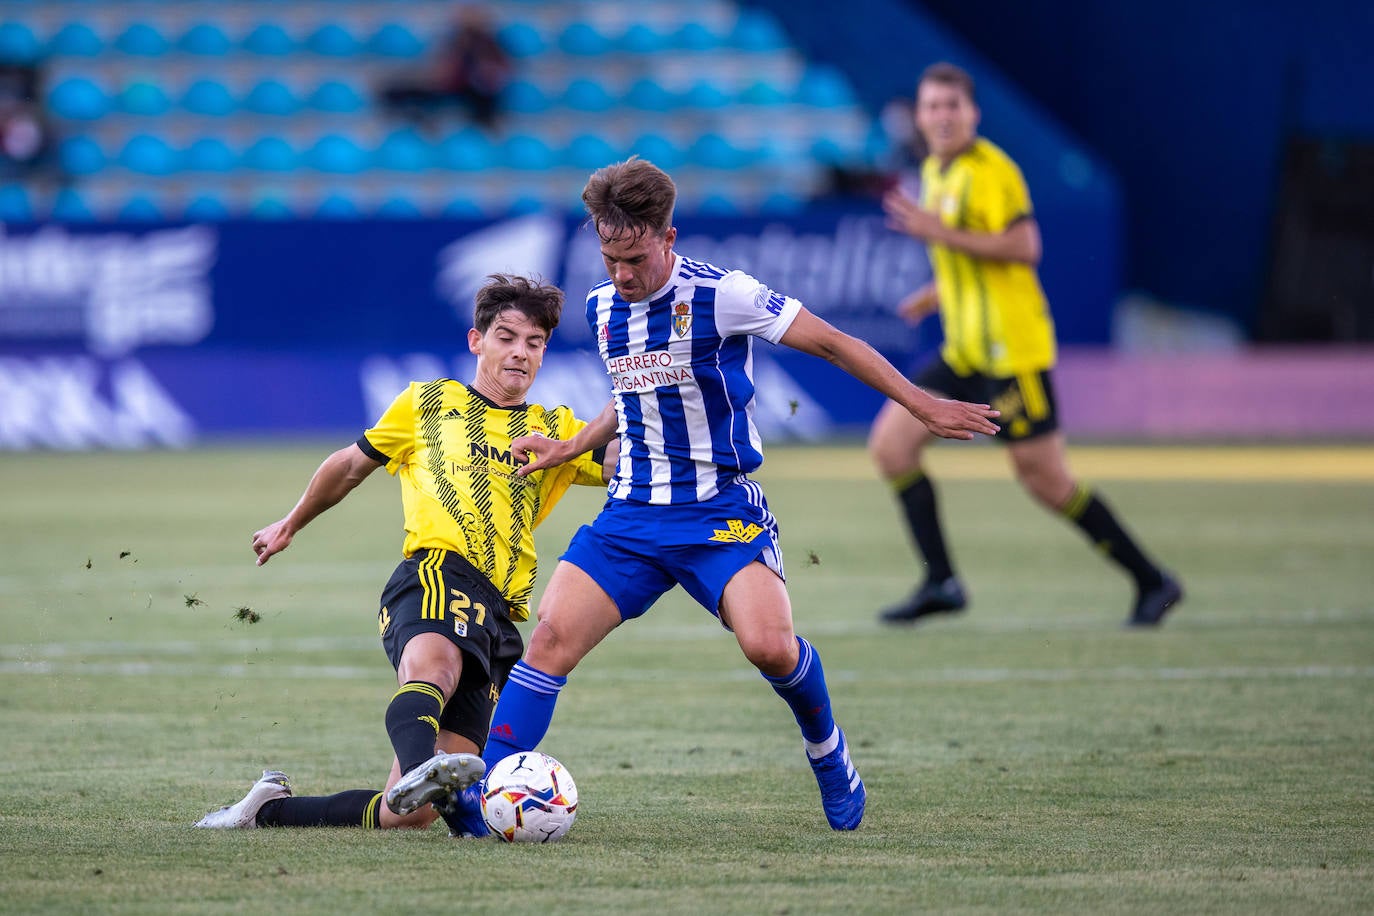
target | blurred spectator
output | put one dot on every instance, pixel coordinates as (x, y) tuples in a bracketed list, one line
[(472, 68), (24, 135)]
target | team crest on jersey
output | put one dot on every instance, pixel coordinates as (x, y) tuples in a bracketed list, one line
[(738, 533), (682, 318)]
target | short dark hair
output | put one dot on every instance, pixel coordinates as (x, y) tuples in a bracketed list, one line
[(949, 75), (540, 302), (630, 199)]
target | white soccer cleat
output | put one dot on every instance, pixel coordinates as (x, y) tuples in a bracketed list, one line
[(433, 780), (244, 815)]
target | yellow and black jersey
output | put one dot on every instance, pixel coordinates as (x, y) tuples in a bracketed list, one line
[(451, 449), (995, 316)]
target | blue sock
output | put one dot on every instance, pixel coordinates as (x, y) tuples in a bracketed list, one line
[(523, 713), (805, 691)]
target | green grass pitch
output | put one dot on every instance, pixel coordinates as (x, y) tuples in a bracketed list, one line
[(1029, 755)]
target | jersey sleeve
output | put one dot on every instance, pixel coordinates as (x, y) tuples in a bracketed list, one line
[(392, 439), (584, 470), (746, 306), (1002, 196)]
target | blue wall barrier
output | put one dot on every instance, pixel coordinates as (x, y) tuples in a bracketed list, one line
[(165, 335)]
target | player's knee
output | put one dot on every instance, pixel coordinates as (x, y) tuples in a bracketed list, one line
[(774, 653), (550, 651)]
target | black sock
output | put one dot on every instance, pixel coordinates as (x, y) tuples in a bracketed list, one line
[(1086, 510), (917, 496), (412, 722), (354, 808)]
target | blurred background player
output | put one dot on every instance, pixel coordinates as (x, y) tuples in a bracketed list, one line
[(447, 613), (975, 216), (676, 336), (470, 69)]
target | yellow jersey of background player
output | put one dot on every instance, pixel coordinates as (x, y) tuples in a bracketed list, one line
[(450, 448), (995, 316)]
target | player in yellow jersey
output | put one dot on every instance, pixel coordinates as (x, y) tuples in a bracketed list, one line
[(975, 216), (448, 612)]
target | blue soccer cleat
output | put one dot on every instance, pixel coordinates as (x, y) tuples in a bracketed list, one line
[(842, 791), (462, 811)]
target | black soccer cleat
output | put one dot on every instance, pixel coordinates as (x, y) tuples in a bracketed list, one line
[(944, 597), (1151, 606)]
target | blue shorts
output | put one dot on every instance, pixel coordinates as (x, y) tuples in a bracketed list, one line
[(637, 552)]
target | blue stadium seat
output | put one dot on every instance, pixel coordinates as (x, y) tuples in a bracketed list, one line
[(209, 154), (271, 97), (393, 39), (714, 151), (823, 86), (336, 96), (15, 206), (467, 150), (403, 150), (757, 30), (782, 203), (142, 98), (584, 94), (337, 154), (75, 39), (398, 207), (762, 92), (463, 207), (80, 156), (521, 39), (582, 39), (270, 40), (270, 154), (208, 97), (143, 40), (206, 208), (70, 207), (338, 206), (269, 206), (705, 95), (333, 40), (659, 150), (141, 208), (78, 99), (694, 36), (590, 151), (718, 204), (642, 38), (527, 153), (18, 43), (524, 97), (205, 39), (649, 95), (149, 155)]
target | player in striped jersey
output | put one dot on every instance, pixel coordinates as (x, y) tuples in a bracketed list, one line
[(448, 612), (975, 215), (676, 336)]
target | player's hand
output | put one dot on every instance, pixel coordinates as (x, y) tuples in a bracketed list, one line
[(271, 540), (905, 214), (537, 452), (960, 420), (916, 306)]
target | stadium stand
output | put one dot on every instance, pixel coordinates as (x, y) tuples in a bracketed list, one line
[(203, 110)]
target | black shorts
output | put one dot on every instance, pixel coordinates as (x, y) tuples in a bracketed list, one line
[(438, 591), (1026, 399)]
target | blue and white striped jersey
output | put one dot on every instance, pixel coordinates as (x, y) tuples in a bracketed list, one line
[(681, 367)]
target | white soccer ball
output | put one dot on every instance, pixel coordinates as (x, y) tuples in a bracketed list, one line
[(529, 798)]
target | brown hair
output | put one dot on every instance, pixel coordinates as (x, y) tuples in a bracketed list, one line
[(949, 75), (541, 303), (630, 199)]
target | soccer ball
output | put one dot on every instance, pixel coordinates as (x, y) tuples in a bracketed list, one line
[(529, 798)]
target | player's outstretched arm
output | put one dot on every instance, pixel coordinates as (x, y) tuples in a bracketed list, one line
[(333, 480), (540, 452), (946, 418)]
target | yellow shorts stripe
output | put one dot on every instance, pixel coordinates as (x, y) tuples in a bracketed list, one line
[(432, 579), (1033, 395)]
